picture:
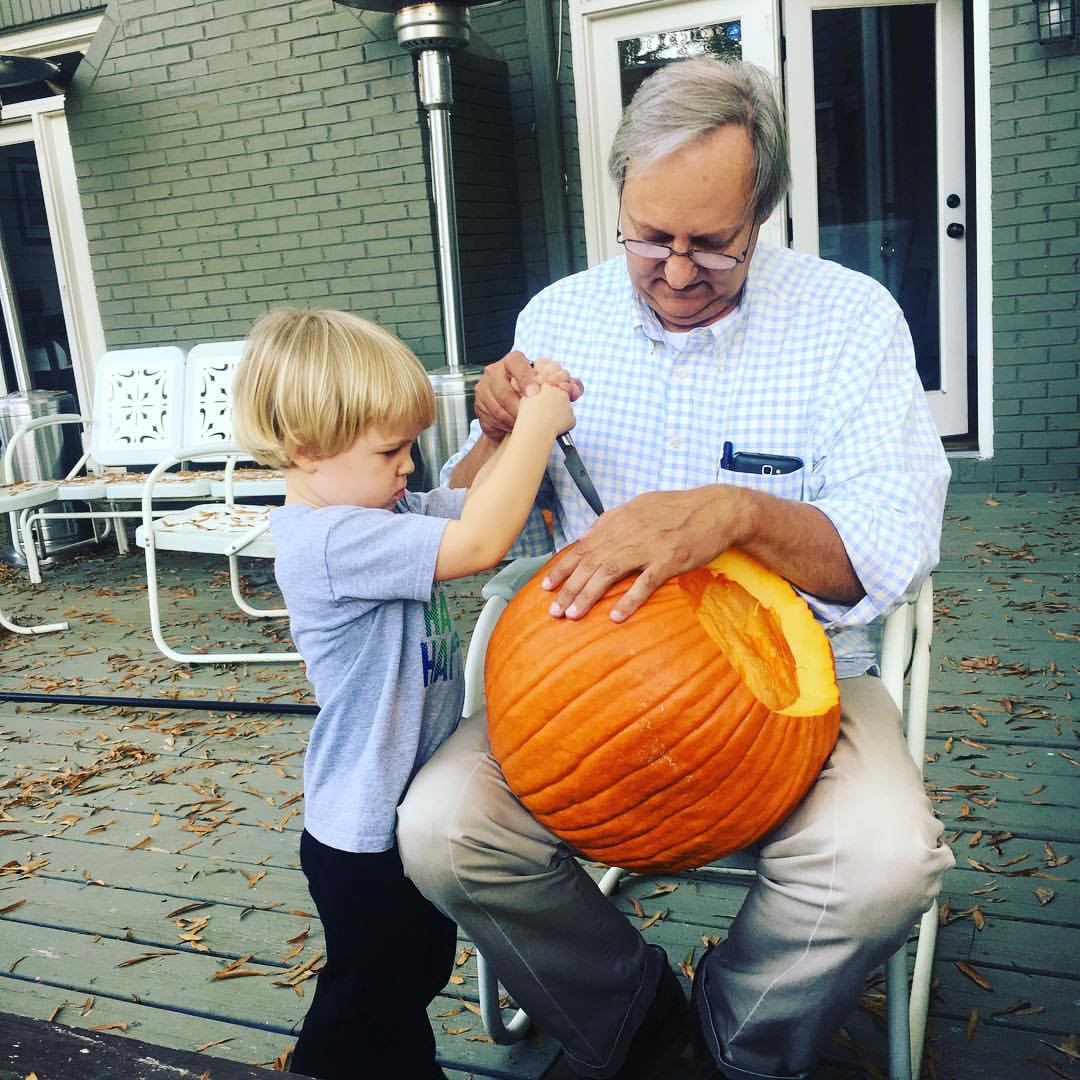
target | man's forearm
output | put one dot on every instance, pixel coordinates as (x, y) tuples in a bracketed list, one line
[(464, 472), (801, 544)]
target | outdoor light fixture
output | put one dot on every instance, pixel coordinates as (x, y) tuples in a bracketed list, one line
[(430, 32), (1055, 20), (23, 70)]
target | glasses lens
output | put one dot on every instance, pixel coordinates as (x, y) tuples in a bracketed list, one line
[(647, 250), (714, 260)]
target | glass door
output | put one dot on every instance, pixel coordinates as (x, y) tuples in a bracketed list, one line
[(876, 113), (616, 46), (34, 350)]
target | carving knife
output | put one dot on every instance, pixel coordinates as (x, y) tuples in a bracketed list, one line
[(579, 474)]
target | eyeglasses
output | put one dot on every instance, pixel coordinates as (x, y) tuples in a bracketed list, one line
[(707, 260)]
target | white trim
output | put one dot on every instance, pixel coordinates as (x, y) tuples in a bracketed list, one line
[(23, 110), (984, 236), (71, 249), (52, 39), (43, 123)]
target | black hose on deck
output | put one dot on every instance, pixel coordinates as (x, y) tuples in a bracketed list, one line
[(276, 707)]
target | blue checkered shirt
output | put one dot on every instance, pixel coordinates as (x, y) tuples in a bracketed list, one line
[(816, 363)]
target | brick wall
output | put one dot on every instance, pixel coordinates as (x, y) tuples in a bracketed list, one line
[(236, 157), (502, 29), (1036, 254)]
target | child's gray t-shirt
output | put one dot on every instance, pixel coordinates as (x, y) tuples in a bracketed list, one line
[(375, 631)]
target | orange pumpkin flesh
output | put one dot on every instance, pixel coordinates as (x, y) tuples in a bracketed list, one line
[(683, 734)]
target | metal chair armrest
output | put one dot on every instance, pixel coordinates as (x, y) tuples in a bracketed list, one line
[(28, 429), (511, 577)]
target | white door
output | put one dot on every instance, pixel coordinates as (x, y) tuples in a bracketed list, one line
[(50, 325), (875, 100), (615, 45)]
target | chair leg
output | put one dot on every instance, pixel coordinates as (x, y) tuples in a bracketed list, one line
[(920, 986), (27, 521), (242, 604), (42, 628), (491, 1012), (121, 535), (196, 658), (896, 997)]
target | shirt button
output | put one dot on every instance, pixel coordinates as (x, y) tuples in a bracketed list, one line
[(674, 443), (682, 372)]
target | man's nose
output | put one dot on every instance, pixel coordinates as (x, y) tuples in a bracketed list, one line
[(680, 271)]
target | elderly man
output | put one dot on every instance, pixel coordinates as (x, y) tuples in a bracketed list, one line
[(704, 354)]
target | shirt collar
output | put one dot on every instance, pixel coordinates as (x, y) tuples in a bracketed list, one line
[(645, 319)]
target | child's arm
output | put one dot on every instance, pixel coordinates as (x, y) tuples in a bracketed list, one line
[(500, 500)]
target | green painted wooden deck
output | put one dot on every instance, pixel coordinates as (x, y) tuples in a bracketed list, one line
[(149, 882)]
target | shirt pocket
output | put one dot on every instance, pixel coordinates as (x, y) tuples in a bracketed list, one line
[(785, 486)]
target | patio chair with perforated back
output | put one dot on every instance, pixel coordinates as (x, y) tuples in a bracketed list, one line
[(136, 420), (227, 528), (905, 665)]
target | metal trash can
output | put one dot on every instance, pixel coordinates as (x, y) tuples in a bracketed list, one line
[(47, 455), (454, 389)]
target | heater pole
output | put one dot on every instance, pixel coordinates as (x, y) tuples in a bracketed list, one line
[(437, 95)]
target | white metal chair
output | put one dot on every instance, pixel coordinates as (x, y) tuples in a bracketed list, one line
[(905, 661), (136, 419), (226, 528), (16, 497)]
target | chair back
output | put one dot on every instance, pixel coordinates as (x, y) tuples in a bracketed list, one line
[(905, 655), (208, 383), (138, 405)]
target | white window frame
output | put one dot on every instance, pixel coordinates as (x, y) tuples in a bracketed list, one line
[(43, 123)]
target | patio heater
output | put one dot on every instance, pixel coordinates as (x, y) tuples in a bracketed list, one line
[(431, 32)]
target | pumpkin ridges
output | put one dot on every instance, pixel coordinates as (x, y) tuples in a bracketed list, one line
[(681, 853), (579, 636), (665, 807), (719, 761), (812, 754), (569, 715)]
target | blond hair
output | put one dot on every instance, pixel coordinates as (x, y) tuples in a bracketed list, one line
[(317, 380)]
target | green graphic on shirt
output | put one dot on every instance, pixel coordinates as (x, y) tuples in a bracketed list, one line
[(440, 655)]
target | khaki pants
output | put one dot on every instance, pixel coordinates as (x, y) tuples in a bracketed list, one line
[(839, 886)]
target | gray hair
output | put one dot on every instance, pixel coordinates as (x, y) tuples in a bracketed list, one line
[(685, 100)]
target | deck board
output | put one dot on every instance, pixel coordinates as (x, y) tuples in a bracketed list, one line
[(136, 813)]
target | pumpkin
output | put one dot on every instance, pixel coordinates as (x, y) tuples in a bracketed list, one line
[(667, 741)]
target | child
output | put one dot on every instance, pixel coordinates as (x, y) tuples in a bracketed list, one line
[(337, 402)]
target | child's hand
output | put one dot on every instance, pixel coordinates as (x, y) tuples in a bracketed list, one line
[(551, 374), (548, 373), (548, 405)]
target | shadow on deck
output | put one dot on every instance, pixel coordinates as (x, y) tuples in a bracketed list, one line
[(149, 881)]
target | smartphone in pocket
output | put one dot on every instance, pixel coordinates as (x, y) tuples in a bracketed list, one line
[(743, 461)]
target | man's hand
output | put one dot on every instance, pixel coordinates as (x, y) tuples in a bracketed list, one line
[(659, 535), (502, 385), (665, 533)]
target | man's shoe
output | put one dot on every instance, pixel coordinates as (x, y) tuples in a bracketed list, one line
[(658, 1043)]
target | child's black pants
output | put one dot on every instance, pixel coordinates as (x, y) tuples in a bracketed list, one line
[(388, 953)]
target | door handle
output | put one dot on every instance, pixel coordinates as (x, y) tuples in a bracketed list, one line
[(954, 229)]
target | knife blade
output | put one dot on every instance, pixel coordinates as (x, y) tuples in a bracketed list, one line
[(579, 474)]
